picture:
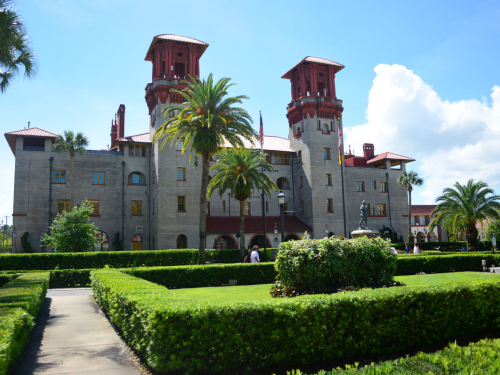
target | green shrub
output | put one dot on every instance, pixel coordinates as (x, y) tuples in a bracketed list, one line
[(410, 265), (208, 275), (5, 278), (178, 336), (15, 326), (27, 291), (69, 278), (332, 262)]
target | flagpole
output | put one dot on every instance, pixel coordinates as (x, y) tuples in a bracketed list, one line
[(261, 133)]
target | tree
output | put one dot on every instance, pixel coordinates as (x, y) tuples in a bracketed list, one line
[(467, 204), (14, 47), (493, 227), (72, 231), (241, 171), (408, 180), (71, 144), (205, 122)]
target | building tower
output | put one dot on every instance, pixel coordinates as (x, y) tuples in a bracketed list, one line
[(314, 114), (174, 181)]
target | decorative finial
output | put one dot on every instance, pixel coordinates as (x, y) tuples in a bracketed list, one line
[(28, 124)]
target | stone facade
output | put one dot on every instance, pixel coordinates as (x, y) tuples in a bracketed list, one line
[(302, 164)]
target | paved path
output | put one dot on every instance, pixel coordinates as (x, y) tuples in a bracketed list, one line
[(72, 336)]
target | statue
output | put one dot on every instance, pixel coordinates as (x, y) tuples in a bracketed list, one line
[(364, 216)]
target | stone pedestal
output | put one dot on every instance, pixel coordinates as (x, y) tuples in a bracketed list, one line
[(365, 232)]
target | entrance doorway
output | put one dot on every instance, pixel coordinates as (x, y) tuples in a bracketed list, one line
[(259, 241), (104, 245), (224, 242), (136, 243)]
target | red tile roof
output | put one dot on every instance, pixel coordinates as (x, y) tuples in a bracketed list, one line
[(32, 132), (391, 156), (316, 60), (254, 224), (271, 143), (422, 209), (175, 38), (140, 138)]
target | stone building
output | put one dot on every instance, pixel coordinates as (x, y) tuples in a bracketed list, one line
[(151, 197), (420, 220)]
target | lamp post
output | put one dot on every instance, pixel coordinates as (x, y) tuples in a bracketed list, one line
[(13, 241), (281, 202), (494, 242)]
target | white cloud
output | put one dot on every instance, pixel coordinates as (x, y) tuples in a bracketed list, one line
[(454, 141)]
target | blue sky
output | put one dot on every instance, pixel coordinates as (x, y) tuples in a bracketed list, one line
[(436, 62)]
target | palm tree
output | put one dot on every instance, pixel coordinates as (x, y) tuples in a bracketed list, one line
[(204, 122), (408, 180), (71, 144), (241, 171), (467, 204), (14, 48)]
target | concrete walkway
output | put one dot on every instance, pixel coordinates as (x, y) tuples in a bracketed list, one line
[(72, 336)]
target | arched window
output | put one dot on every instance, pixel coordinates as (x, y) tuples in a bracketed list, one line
[(182, 241), (136, 242), (283, 183), (103, 238), (224, 243), (136, 178), (325, 128), (291, 237), (298, 131)]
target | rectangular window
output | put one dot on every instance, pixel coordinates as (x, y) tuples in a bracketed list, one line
[(136, 208), (281, 158), (137, 149), (381, 209), (383, 187), (181, 174), (63, 205), (302, 207), (181, 203), (360, 186), (153, 175), (208, 208), (180, 144), (329, 205), (374, 184), (327, 153), (285, 209), (59, 177), (223, 206), (267, 207), (268, 156), (95, 206), (300, 156), (328, 179), (301, 181), (98, 178), (246, 209)]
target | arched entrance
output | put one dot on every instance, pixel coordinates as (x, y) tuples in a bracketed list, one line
[(291, 237), (225, 242), (258, 240), (136, 243), (182, 241), (104, 245)]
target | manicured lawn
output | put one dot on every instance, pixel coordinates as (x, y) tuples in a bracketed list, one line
[(261, 292)]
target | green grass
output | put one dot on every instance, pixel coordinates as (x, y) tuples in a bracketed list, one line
[(261, 291), (482, 357)]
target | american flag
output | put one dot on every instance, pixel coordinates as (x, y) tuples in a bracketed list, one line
[(261, 131)]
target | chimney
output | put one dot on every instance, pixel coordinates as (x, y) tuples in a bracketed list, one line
[(368, 150), (121, 121)]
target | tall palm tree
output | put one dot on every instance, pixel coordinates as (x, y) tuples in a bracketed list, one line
[(204, 122), (241, 171), (408, 180), (14, 48), (467, 204), (71, 144)]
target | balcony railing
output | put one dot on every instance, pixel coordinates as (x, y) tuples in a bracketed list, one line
[(28, 148)]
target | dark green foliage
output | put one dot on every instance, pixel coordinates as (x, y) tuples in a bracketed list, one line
[(69, 278), (316, 265), (5, 278), (176, 335), (25, 244), (206, 275), (118, 244), (27, 291), (233, 255), (15, 326), (445, 246), (410, 265)]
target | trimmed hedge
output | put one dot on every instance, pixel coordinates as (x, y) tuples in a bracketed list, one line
[(445, 246), (5, 278), (15, 326), (209, 275), (27, 291), (446, 263), (176, 335)]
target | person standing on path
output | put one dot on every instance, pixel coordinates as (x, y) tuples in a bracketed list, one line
[(407, 248), (248, 257), (254, 256)]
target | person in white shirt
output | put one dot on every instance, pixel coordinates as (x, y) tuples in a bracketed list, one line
[(254, 256), (416, 249)]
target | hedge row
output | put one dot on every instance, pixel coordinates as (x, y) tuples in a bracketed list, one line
[(116, 259), (445, 263), (445, 246), (209, 275), (5, 278), (20, 301), (176, 335)]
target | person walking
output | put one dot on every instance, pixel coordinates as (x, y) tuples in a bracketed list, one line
[(248, 257), (416, 249), (254, 256), (407, 248)]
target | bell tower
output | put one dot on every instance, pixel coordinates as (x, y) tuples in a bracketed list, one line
[(314, 115)]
